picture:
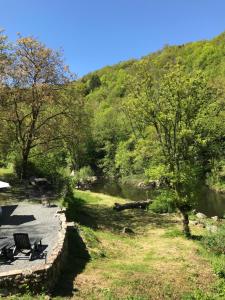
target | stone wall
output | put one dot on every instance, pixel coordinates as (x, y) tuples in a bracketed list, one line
[(42, 277)]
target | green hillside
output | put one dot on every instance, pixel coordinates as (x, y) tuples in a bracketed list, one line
[(108, 88)]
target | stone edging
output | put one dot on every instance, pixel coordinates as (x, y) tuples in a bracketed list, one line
[(44, 276)]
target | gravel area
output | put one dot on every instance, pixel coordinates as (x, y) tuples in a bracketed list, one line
[(34, 219)]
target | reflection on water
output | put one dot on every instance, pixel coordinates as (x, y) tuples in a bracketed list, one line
[(209, 202), (116, 189)]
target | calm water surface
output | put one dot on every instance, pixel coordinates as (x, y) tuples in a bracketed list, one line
[(210, 202)]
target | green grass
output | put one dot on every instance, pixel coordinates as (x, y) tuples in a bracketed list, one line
[(7, 174), (6, 171), (172, 233)]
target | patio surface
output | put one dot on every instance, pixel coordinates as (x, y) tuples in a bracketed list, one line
[(34, 219)]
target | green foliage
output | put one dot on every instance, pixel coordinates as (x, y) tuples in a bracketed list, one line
[(86, 172), (83, 175), (156, 172), (53, 166), (124, 158), (93, 83), (215, 242), (219, 265), (216, 178), (164, 202), (176, 105)]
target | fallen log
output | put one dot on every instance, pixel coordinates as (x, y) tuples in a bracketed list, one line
[(132, 205)]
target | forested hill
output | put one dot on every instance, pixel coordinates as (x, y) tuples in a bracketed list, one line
[(107, 88), (207, 55)]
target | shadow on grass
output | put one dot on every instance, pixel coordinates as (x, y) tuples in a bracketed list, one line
[(196, 237), (77, 259), (98, 216), (78, 212)]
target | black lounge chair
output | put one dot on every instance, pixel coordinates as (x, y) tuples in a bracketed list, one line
[(6, 249), (25, 245)]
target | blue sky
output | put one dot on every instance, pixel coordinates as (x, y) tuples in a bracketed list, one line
[(95, 33)]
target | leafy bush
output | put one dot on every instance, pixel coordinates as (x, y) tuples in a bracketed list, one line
[(215, 242), (86, 172), (219, 265), (163, 203), (82, 176)]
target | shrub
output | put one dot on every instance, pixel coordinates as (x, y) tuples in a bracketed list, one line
[(83, 175), (219, 265), (215, 242), (86, 172), (163, 203)]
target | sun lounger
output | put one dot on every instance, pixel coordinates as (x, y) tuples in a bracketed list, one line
[(6, 249), (25, 247)]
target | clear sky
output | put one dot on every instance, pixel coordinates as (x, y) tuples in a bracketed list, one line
[(95, 33)]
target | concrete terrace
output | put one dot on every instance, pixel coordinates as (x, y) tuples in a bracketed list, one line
[(34, 219)]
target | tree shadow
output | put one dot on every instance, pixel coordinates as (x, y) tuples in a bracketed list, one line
[(196, 237), (77, 259), (7, 219), (78, 212), (98, 216), (17, 220), (7, 210)]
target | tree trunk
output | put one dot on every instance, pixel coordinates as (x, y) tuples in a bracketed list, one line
[(185, 220), (24, 166), (131, 205)]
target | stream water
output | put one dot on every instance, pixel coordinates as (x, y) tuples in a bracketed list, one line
[(209, 202)]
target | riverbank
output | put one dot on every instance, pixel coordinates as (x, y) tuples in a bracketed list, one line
[(218, 187)]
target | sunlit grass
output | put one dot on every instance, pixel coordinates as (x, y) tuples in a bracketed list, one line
[(6, 171)]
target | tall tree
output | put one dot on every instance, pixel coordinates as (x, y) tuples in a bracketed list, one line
[(176, 106), (75, 128), (34, 105), (4, 65)]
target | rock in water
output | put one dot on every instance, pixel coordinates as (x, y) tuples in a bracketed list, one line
[(215, 218)]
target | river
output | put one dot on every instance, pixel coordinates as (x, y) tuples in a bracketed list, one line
[(209, 202)]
